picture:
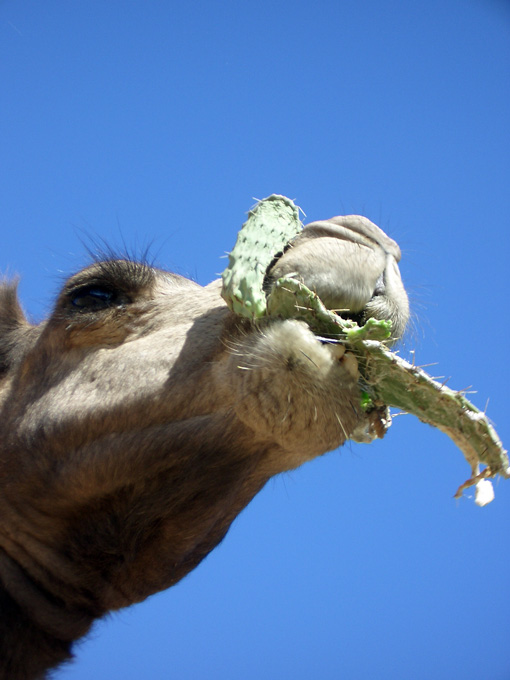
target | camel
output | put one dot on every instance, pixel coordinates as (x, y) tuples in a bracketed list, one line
[(142, 416)]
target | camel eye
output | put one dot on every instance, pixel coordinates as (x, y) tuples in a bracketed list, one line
[(93, 298)]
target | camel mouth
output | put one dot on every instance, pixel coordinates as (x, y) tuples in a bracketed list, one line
[(351, 265)]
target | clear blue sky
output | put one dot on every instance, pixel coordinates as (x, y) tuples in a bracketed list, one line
[(142, 121)]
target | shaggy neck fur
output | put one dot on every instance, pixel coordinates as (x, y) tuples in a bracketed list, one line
[(36, 632)]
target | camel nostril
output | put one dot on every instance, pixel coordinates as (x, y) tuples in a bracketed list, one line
[(380, 287)]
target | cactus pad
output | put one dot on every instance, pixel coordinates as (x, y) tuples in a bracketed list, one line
[(271, 224)]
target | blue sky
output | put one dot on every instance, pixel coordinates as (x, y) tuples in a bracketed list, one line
[(150, 122)]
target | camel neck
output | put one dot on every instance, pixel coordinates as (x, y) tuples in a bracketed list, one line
[(36, 633)]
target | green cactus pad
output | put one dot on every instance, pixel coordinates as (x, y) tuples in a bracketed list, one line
[(271, 224), (387, 379)]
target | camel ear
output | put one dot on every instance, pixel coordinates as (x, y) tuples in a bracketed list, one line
[(13, 326)]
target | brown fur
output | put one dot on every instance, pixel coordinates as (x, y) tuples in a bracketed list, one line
[(140, 418)]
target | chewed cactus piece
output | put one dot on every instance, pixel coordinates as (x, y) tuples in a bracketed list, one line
[(396, 382), (271, 224), (392, 381)]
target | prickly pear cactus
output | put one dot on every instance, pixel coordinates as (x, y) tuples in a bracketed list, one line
[(271, 224), (387, 379)]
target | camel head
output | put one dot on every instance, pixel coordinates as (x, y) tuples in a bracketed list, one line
[(142, 415)]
